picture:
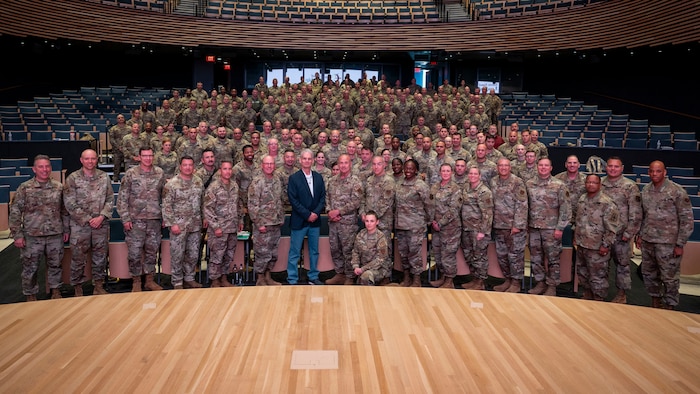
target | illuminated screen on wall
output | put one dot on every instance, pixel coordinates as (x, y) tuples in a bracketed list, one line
[(496, 86)]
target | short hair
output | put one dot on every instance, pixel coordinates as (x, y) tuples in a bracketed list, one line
[(186, 157), (373, 213), (42, 157), (143, 148), (414, 163)]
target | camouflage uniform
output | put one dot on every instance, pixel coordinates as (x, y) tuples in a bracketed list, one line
[(433, 169), (165, 117), (576, 186), (130, 148), (387, 118), (414, 210), (345, 195), (182, 206), (116, 135), (667, 223), (447, 200), (423, 158), (283, 173), (596, 222), (625, 193), (477, 217), (550, 210), (379, 194), (526, 173), (404, 117), (362, 172), (508, 150), (266, 209), (371, 253), (221, 210), (243, 174), (38, 215), (510, 212), (168, 163), (191, 149), (223, 149), (487, 169), (139, 202), (85, 198), (191, 117)]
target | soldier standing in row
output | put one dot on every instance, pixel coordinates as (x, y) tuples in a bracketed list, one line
[(666, 226), (89, 199), (182, 214), (625, 193), (446, 226), (223, 214), (139, 206), (39, 225), (477, 221), (343, 203), (509, 225), (550, 212), (266, 211), (596, 222)]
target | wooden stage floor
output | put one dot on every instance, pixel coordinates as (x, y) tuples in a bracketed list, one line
[(342, 339)]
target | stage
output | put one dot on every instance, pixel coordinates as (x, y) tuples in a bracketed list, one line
[(344, 339)]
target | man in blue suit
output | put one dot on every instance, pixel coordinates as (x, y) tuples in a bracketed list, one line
[(307, 196)]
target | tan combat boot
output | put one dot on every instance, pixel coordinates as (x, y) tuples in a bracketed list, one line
[(269, 280), (99, 287), (620, 297), (216, 282), (587, 294), (503, 286), (349, 281), (191, 284), (416, 281), (136, 284), (448, 283), (55, 294), (151, 285), (438, 282), (475, 284), (656, 302), (78, 290), (538, 289), (406, 282), (551, 291), (338, 279), (223, 281), (261, 281), (514, 286)]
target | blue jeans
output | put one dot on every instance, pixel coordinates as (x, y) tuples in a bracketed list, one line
[(295, 244)]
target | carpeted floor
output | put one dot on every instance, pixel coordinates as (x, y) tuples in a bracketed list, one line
[(11, 290)]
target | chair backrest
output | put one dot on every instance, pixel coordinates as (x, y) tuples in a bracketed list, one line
[(14, 162), (13, 181)]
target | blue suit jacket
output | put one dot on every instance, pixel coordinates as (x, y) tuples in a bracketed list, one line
[(301, 200)]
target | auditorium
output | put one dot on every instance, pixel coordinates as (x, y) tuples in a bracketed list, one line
[(137, 135)]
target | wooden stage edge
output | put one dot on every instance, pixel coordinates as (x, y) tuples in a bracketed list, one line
[(344, 339)]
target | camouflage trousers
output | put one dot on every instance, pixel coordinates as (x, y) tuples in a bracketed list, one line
[(341, 237), (221, 252), (51, 248), (621, 253), (266, 248), (410, 246), (371, 277), (592, 270), (143, 243), (184, 255), (445, 244), (661, 271), (117, 160), (476, 253), (510, 250), (387, 233), (543, 243), (84, 239)]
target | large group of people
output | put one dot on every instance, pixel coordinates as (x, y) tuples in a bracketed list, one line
[(384, 165)]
